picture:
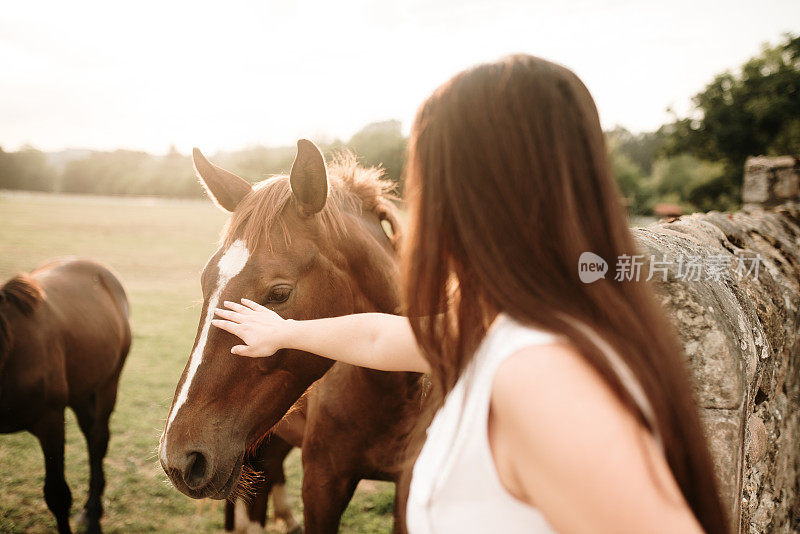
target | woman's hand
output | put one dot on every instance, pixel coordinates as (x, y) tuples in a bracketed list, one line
[(260, 328)]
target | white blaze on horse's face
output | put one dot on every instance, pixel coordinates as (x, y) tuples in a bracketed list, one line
[(229, 265)]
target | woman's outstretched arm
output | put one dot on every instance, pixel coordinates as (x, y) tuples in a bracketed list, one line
[(375, 340)]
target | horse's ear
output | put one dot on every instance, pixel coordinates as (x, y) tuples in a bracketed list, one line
[(309, 178), (225, 188)]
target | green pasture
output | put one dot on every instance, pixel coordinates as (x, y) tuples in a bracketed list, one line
[(158, 248)]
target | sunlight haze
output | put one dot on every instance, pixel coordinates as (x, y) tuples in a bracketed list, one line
[(149, 75)]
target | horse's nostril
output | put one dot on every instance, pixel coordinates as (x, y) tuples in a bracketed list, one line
[(196, 468)]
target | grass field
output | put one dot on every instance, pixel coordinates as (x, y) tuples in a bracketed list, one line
[(158, 248)]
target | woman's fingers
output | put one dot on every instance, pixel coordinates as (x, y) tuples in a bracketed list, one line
[(237, 319), (232, 316), (235, 306), (229, 326), (245, 350), (255, 306)]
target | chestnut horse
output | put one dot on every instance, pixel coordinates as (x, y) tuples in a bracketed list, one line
[(64, 336), (308, 245)]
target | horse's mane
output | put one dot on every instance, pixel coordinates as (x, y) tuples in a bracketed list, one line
[(351, 189), (23, 293)]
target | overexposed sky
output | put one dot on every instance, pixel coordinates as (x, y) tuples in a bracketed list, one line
[(224, 75)]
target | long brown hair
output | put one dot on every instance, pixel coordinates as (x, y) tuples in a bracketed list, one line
[(509, 182)]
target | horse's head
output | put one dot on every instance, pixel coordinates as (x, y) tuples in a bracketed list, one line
[(308, 245)]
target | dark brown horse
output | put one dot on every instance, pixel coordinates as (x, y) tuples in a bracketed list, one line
[(64, 336), (248, 513), (311, 244)]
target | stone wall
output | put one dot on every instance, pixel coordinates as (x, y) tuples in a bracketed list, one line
[(740, 333)]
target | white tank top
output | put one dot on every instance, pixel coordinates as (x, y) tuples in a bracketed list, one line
[(455, 486)]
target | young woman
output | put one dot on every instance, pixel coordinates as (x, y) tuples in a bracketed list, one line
[(562, 406)]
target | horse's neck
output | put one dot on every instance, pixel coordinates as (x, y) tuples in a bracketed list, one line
[(373, 269), (398, 384), (375, 273)]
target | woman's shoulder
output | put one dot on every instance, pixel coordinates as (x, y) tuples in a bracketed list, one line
[(554, 386), (568, 433), (551, 370), (507, 336)]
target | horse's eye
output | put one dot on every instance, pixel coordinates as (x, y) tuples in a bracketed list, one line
[(279, 294)]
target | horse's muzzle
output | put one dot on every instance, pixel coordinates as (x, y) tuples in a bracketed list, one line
[(194, 472)]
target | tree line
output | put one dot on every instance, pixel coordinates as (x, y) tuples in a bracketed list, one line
[(697, 161), (127, 172), (694, 162)]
